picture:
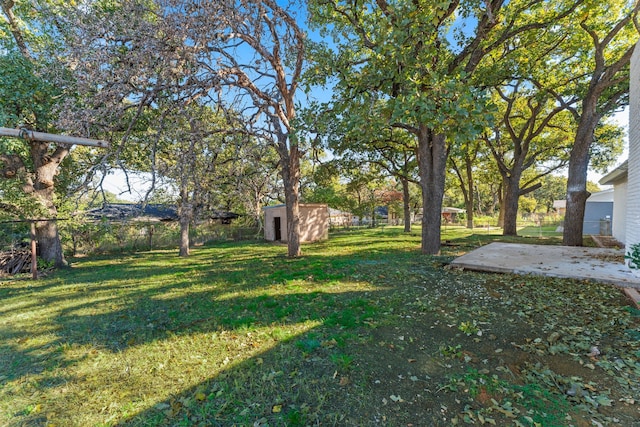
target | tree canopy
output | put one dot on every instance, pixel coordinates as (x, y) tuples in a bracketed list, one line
[(209, 95)]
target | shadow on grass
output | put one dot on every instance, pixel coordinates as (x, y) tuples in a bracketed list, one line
[(288, 328), (114, 306)]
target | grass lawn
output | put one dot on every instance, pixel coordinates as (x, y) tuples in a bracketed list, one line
[(362, 330)]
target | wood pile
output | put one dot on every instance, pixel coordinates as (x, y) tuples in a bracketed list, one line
[(15, 261)]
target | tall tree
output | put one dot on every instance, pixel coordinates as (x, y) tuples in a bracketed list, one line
[(33, 81), (258, 51), (530, 133), (463, 162), (401, 52), (245, 52), (190, 151), (249, 179), (392, 150), (594, 60)]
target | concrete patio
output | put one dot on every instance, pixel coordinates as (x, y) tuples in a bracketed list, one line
[(598, 264)]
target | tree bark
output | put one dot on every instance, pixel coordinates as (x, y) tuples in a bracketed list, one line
[(510, 204), (406, 208), (46, 167), (432, 165), (468, 202), (577, 193), (467, 186), (500, 204), (185, 215), (290, 164)]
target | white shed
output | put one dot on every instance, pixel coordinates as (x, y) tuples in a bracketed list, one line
[(314, 222)]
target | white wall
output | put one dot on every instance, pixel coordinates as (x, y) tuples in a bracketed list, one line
[(633, 187), (270, 213), (314, 222), (618, 225)]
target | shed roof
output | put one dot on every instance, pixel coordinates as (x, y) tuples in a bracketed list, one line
[(449, 209), (302, 205), (560, 204), (602, 196)]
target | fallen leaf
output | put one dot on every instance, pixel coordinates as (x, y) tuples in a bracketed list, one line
[(276, 409), (261, 422)]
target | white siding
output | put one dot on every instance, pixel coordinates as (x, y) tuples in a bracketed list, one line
[(633, 186), (619, 211)]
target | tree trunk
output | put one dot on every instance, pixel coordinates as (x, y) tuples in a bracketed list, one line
[(432, 165), (406, 208), (501, 204), (185, 219), (290, 162), (46, 167), (466, 186), (510, 204), (577, 193), (49, 246), (468, 202)]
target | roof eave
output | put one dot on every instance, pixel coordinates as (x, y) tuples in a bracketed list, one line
[(615, 175)]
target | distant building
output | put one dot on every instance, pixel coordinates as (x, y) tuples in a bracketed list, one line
[(134, 212), (338, 218), (450, 214), (560, 206), (598, 213), (314, 222), (151, 212)]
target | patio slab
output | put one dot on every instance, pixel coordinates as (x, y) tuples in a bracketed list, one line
[(597, 264)]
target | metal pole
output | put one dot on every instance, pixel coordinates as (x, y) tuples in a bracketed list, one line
[(50, 137), (34, 260)]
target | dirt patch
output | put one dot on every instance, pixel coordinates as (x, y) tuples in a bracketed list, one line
[(607, 242)]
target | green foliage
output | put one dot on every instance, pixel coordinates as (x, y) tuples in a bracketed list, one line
[(469, 328), (633, 255), (26, 95), (17, 204), (527, 204), (607, 146), (451, 352)]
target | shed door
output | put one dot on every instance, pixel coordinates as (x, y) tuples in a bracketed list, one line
[(277, 227)]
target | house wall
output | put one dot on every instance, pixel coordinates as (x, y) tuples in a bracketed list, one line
[(620, 211), (314, 222), (594, 212), (633, 187)]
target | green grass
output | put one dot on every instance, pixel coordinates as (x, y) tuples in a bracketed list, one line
[(361, 330)]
